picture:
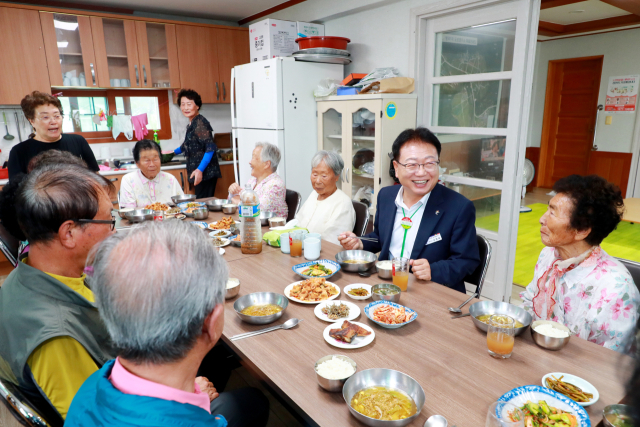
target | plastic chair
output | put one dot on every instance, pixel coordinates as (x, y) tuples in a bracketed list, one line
[(362, 218), (479, 274), (634, 270), (9, 246), (14, 403), (293, 199)]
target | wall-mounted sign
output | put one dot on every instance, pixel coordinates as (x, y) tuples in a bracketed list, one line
[(622, 94)]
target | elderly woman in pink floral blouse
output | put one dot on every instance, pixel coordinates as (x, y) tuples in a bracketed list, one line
[(576, 282), (265, 181)]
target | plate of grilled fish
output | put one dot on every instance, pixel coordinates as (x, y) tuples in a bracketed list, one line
[(349, 334)]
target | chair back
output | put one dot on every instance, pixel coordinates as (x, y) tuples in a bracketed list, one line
[(9, 246), (479, 274), (634, 270), (362, 218), (293, 199), (14, 403)]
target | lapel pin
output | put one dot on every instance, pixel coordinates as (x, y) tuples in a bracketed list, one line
[(437, 212)]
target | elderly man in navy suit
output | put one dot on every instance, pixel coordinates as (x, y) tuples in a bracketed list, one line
[(439, 235)]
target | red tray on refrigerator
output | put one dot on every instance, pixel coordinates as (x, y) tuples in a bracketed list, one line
[(323, 41)]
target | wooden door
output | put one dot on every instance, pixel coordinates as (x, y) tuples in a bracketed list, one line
[(569, 118), (233, 49), (158, 55), (23, 67), (198, 58), (116, 51)]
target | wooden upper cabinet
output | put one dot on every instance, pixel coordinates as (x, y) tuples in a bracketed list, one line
[(197, 54), (69, 48), (233, 49), (158, 54), (116, 50), (23, 67)]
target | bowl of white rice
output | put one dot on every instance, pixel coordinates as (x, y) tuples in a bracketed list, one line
[(333, 371), (549, 334)]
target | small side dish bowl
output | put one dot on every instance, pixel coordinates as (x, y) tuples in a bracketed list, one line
[(613, 415), (219, 233), (369, 309), (550, 343), (386, 288), (584, 385), (229, 208), (365, 260), (233, 288), (327, 263), (123, 212), (277, 221), (264, 217), (216, 204), (139, 215), (496, 307), (201, 213), (183, 198), (260, 298), (334, 385), (385, 269), (355, 286)]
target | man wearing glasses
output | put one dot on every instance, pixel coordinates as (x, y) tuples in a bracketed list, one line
[(51, 335), (428, 224)]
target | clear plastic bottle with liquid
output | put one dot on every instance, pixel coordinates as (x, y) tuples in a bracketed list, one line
[(251, 228)]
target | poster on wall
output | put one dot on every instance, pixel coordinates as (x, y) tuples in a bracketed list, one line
[(622, 94)]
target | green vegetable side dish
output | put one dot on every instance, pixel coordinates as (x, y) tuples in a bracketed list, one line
[(385, 292), (542, 415), (316, 270)]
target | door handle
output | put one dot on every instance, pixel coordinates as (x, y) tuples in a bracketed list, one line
[(93, 73), (182, 181), (217, 92), (137, 75), (224, 92), (595, 128), (144, 74), (113, 179)]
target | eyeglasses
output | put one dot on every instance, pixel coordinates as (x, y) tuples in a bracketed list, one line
[(149, 161), (414, 167), (101, 221), (55, 118)]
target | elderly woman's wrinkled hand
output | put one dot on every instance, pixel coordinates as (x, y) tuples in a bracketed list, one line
[(207, 387), (421, 269), (235, 189), (350, 241)]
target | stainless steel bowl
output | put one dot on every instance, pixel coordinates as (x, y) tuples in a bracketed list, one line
[(384, 273), (183, 198), (123, 212), (386, 378), (334, 385), (392, 298), (277, 221), (343, 256), (264, 217), (229, 208), (216, 204), (201, 213), (625, 411), (260, 298), (233, 291), (139, 215), (549, 343), (495, 307)]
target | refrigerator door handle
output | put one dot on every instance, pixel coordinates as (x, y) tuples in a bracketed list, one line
[(236, 172), (232, 96)]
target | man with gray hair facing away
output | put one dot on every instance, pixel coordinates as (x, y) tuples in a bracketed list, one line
[(160, 291)]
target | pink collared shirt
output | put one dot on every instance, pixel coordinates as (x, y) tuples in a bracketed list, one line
[(129, 383)]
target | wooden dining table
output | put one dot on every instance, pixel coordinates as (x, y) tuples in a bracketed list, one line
[(447, 357)]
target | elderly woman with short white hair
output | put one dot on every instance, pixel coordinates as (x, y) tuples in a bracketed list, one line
[(265, 181), (328, 210)]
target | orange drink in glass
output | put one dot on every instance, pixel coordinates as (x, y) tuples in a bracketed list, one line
[(501, 336), (295, 244), (400, 273)]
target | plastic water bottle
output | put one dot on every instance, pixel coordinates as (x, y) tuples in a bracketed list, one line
[(251, 228)]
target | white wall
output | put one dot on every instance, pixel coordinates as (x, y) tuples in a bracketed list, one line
[(620, 58)]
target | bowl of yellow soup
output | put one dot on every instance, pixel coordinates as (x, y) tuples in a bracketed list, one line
[(261, 308), (482, 310), (356, 261)]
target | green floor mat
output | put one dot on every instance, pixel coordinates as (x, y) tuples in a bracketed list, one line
[(624, 242)]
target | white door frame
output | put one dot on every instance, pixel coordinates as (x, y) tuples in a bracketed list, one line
[(633, 185), (527, 14)]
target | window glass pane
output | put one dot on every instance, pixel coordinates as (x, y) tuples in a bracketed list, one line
[(473, 104), (474, 50), (134, 105), (78, 113), (486, 202), (332, 131), (476, 156)]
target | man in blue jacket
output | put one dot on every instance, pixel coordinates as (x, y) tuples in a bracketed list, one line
[(428, 223)]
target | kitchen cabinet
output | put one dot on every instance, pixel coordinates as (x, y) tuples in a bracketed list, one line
[(210, 74), (116, 180), (116, 49), (183, 180), (362, 128), (23, 67), (158, 54), (228, 178)]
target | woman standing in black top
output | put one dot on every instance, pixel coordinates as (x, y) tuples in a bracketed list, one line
[(44, 112), (202, 163)]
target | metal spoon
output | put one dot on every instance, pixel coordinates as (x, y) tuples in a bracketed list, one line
[(436, 421), (8, 136), (457, 310), (286, 325)]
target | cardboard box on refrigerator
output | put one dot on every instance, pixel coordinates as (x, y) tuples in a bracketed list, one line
[(309, 29), (271, 38)]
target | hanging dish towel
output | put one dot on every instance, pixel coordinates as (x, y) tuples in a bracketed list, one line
[(140, 123), (122, 123)]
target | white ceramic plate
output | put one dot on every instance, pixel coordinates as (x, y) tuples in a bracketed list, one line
[(226, 242), (222, 251), (354, 311), (227, 233), (357, 342), (214, 223), (200, 224), (578, 382), (288, 289), (357, 285)]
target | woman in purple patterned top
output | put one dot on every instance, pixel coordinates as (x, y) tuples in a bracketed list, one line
[(265, 181)]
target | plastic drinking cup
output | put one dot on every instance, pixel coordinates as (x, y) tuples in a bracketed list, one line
[(312, 249), (284, 243)]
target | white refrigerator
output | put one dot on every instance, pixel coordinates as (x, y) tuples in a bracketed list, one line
[(272, 101)]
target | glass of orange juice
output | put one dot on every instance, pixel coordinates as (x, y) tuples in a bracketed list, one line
[(400, 273), (501, 336), (295, 244)]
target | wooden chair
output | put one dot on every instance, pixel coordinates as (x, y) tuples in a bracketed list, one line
[(634, 270), (15, 411), (479, 274), (293, 199), (362, 218)]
